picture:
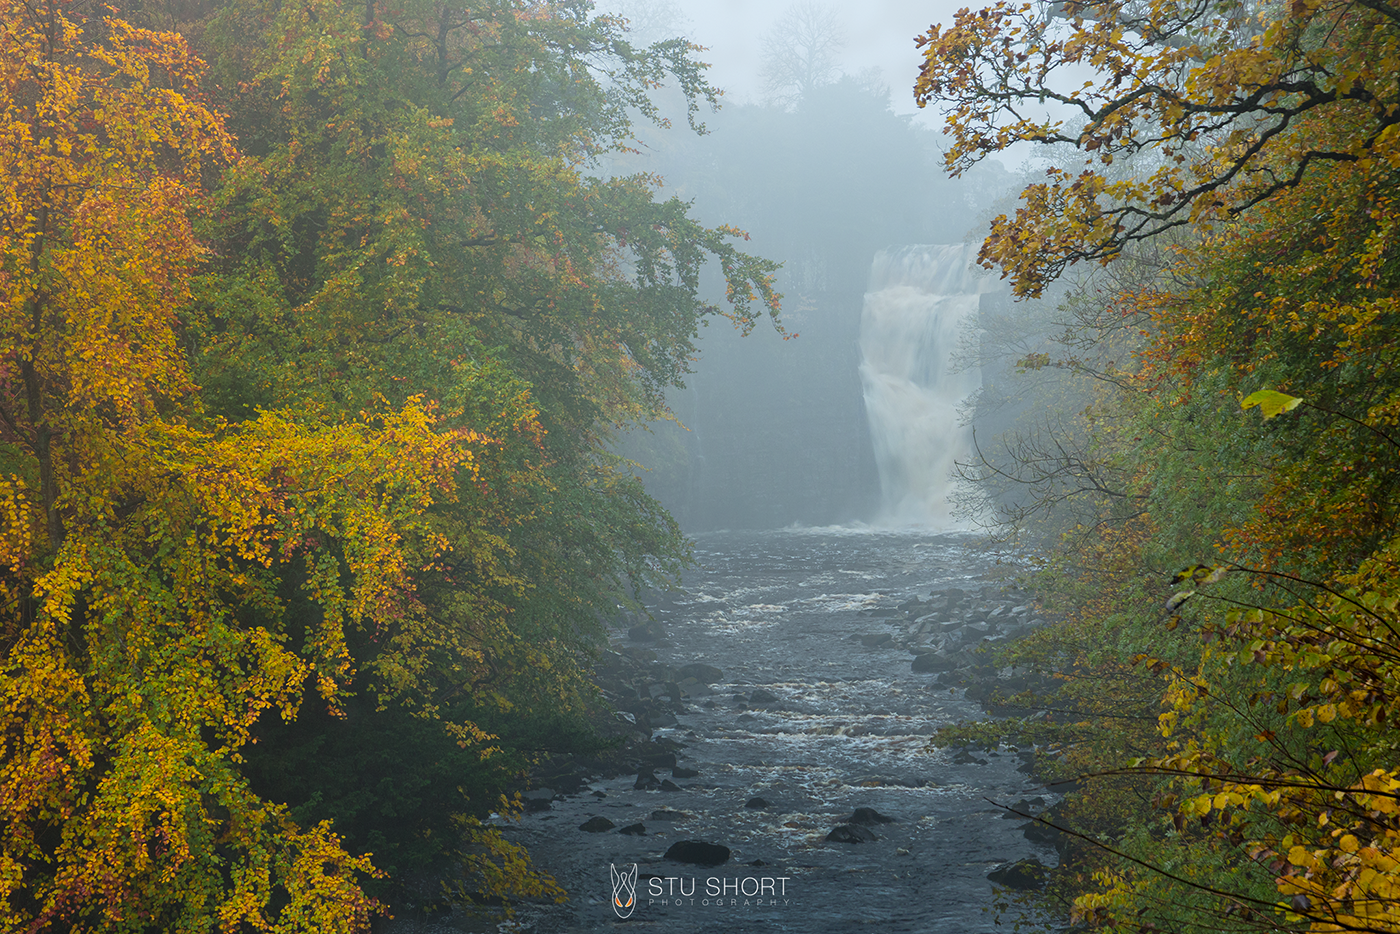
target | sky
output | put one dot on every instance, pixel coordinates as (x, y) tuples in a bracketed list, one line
[(879, 34)]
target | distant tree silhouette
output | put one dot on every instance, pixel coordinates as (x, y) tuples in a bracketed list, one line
[(800, 52)]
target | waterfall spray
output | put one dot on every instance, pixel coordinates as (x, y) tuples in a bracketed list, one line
[(916, 303)]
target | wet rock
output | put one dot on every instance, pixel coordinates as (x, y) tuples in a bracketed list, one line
[(1024, 806), (850, 833), (1039, 832), (662, 814), (647, 632), (745, 718), (668, 785), (875, 640), (680, 772), (690, 687), (964, 757), (756, 803), (869, 816), (980, 691), (705, 674), (657, 754), (933, 661), (698, 852), (1024, 874), (647, 781), (596, 825), (760, 696), (634, 830)]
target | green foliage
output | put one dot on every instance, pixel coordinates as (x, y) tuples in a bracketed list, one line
[(310, 521), (1270, 755)]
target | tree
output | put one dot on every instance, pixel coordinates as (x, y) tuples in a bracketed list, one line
[(345, 464), (1219, 98), (144, 631), (800, 52), (418, 219), (1269, 138)]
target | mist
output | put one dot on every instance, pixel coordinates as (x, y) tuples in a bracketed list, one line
[(820, 156)]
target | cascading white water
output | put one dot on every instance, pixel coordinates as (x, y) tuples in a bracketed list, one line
[(915, 305)]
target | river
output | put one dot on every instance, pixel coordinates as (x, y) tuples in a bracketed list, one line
[(783, 612)]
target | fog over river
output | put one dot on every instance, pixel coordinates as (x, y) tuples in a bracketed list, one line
[(784, 612)]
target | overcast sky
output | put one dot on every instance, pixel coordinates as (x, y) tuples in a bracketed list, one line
[(879, 34)]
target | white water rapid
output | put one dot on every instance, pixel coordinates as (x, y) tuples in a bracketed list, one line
[(915, 305)]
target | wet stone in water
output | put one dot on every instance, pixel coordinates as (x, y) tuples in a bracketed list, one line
[(698, 853), (850, 833), (869, 816), (597, 825)]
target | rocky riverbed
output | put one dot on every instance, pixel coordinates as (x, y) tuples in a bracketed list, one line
[(774, 773)]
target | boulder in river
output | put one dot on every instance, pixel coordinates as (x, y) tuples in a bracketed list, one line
[(850, 833), (1020, 809), (698, 853), (681, 772), (647, 780), (758, 804), (1023, 874), (875, 639), (647, 632), (869, 816), (668, 785), (596, 825), (1041, 832), (933, 661), (760, 696), (705, 674), (662, 814), (690, 687), (634, 830)]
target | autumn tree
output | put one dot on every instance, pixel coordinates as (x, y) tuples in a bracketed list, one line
[(314, 435), (1266, 137), (420, 217), (145, 629), (1218, 98)]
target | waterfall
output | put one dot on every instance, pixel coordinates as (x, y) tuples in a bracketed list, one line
[(916, 304)]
